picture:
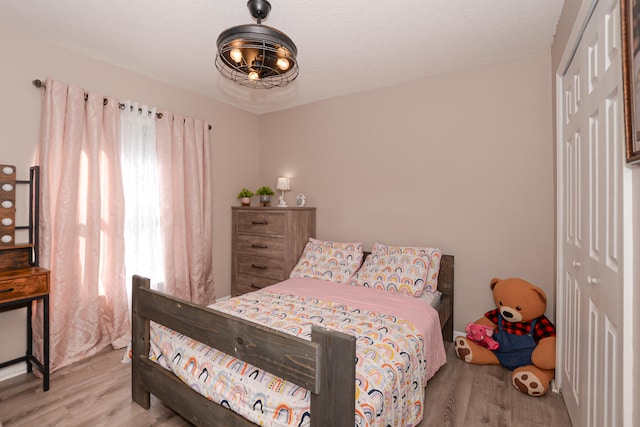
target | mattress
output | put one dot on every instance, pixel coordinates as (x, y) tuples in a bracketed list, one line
[(399, 347)]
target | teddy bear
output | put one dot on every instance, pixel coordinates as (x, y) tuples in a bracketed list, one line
[(527, 338), (481, 334)]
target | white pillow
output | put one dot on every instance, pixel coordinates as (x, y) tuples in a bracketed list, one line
[(434, 254), (400, 273), (327, 260)]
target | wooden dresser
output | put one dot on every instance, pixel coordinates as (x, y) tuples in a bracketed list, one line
[(266, 244)]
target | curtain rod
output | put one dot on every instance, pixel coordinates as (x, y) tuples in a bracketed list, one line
[(40, 84)]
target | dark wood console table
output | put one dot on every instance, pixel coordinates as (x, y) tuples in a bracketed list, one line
[(20, 285), (21, 280)]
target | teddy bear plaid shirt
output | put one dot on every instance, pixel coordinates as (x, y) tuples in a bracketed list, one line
[(544, 327)]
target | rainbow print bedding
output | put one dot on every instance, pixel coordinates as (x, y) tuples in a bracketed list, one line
[(399, 347)]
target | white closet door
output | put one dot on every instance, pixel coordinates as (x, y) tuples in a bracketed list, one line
[(590, 162)]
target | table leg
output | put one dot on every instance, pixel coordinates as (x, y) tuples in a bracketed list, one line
[(45, 355), (29, 337)]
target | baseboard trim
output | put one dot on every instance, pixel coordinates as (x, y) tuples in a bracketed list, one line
[(12, 371)]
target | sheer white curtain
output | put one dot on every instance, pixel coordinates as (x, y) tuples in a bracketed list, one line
[(143, 240)]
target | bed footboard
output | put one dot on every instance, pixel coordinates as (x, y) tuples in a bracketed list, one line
[(325, 365)]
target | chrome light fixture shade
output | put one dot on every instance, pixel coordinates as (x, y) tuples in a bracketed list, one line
[(255, 55)]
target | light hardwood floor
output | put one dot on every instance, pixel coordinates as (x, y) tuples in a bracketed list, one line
[(96, 392)]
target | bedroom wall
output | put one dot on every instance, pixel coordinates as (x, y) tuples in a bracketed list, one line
[(234, 164), (462, 161)]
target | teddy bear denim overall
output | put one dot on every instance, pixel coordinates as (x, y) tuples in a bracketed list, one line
[(515, 350)]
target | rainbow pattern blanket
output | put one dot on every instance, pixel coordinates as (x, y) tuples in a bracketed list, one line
[(392, 365)]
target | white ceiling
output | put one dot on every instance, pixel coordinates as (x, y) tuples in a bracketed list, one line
[(344, 46)]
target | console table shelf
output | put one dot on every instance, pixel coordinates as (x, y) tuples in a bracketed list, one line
[(19, 287)]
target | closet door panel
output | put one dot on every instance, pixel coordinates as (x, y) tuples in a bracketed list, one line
[(591, 190)]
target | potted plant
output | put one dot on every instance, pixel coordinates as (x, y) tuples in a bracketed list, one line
[(245, 197), (265, 194)]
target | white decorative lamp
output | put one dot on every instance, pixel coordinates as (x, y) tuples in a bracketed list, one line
[(283, 185)]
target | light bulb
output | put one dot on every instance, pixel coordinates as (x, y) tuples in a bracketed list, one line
[(236, 54), (253, 75), (283, 64)]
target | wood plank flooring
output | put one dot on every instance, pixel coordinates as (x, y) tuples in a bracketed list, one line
[(96, 392), (467, 395)]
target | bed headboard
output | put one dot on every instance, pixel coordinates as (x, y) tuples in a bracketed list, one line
[(445, 277), (445, 285)]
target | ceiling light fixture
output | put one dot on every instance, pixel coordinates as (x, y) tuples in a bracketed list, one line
[(255, 55)]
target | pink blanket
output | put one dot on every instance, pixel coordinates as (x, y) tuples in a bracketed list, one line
[(422, 315)]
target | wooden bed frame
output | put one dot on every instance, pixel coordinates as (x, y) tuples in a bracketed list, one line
[(323, 365)]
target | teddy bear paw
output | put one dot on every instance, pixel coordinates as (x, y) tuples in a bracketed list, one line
[(527, 382), (463, 350)]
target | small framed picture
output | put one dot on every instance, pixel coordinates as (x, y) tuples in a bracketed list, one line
[(300, 200)]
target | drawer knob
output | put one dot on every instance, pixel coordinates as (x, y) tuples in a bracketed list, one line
[(259, 222), (4, 291), (261, 267), (260, 246)]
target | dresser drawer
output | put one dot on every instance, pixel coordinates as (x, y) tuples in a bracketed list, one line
[(267, 243), (261, 266), (249, 283), (265, 223), (271, 247), (18, 284)]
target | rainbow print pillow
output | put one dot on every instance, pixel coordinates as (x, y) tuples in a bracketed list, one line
[(327, 260), (434, 255), (399, 273)]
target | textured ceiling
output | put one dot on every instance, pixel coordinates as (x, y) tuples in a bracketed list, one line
[(344, 46)]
